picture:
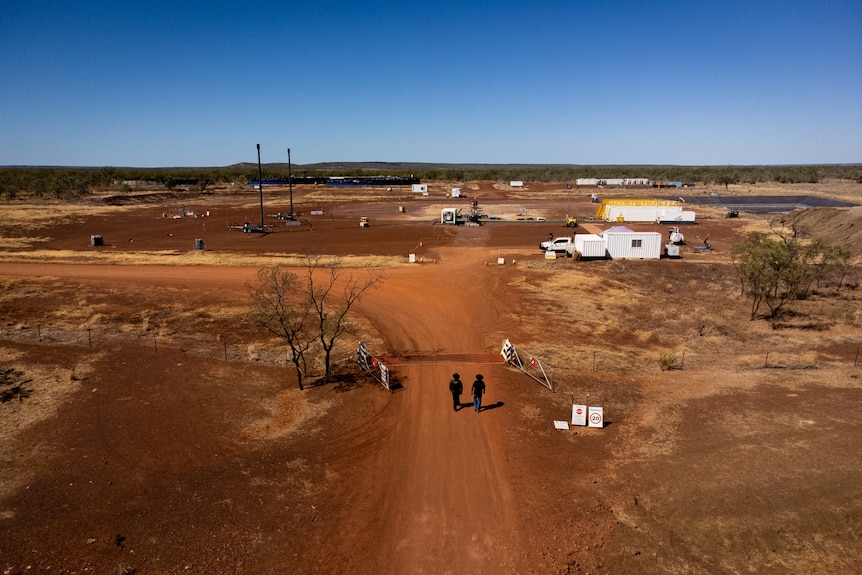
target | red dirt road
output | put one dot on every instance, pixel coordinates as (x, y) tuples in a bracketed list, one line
[(450, 503)]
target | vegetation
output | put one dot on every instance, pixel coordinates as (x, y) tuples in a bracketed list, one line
[(281, 308), (323, 275), (785, 267), (667, 361), (68, 183), (305, 312)]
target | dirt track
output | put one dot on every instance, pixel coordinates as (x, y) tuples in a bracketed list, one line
[(156, 454)]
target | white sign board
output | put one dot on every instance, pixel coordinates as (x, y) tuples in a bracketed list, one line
[(412, 258), (596, 417), (501, 261), (561, 425), (579, 414)]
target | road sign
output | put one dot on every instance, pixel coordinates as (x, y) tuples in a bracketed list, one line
[(579, 414), (596, 417), (508, 352)]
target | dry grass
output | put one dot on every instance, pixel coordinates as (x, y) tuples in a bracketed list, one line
[(52, 385), (624, 316), (34, 216), (188, 258)]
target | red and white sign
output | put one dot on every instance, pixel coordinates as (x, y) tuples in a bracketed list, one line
[(596, 417), (533, 363), (579, 414)]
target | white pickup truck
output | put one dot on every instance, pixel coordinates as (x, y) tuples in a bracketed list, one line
[(564, 245)]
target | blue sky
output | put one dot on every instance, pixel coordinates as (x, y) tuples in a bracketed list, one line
[(157, 84)]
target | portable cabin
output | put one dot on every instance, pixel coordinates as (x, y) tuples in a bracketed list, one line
[(623, 243), (420, 188), (591, 246)]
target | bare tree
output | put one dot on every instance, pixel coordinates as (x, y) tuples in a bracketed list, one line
[(324, 276), (280, 304)]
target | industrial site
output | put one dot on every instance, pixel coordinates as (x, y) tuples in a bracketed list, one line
[(641, 415)]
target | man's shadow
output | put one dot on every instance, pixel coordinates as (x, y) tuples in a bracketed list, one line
[(491, 406)]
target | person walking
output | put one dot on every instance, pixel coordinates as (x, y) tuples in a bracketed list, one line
[(457, 388), (478, 390)]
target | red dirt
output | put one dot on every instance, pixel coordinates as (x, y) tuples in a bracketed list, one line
[(160, 455)]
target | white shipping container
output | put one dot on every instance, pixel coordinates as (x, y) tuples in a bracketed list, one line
[(681, 216), (590, 246), (634, 245), (516, 184)]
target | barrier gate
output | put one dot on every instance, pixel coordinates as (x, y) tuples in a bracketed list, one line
[(541, 371)]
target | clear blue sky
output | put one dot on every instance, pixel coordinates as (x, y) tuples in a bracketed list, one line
[(158, 84)]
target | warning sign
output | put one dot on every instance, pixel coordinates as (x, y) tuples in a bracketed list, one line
[(596, 417), (579, 414)]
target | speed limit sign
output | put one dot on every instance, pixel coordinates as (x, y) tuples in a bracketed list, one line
[(596, 417)]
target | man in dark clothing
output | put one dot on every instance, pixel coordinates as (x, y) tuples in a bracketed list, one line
[(478, 390), (457, 388)]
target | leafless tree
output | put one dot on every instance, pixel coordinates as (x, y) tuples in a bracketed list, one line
[(332, 297), (281, 305)]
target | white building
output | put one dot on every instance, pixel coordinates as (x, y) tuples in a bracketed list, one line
[(644, 210), (619, 242), (623, 243), (612, 182), (591, 246)]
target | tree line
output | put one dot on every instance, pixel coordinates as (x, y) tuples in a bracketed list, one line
[(69, 183)]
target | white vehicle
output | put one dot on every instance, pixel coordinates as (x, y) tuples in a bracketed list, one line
[(564, 245), (676, 237)]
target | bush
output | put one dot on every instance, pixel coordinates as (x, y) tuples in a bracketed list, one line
[(667, 361)]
